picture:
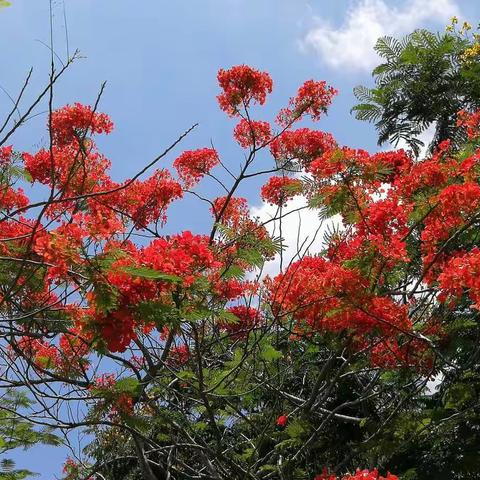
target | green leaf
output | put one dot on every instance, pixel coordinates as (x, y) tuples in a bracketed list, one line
[(234, 271), (252, 257), (151, 274), (4, 3), (269, 354), (127, 385), (228, 317), (458, 396), (295, 429)]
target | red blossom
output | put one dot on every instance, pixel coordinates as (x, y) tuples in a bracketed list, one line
[(5, 155), (230, 211), (192, 165), (241, 85), (279, 190), (313, 98), (179, 355), (252, 133), (470, 121), (358, 475), (282, 421), (73, 122), (248, 319), (11, 198), (146, 202), (302, 145)]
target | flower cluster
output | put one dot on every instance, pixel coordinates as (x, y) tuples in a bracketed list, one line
[(73, 123), (5, 155), (241, 86), (60, 248), (279, 190), (462, 273), (313, 99), (181, 259), (146, 202), (251, 133), (302, 145), (358, 475), (322, 295), (470, 121), (247, 318), (192, 165)]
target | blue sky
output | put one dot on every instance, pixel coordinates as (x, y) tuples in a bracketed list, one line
[(160, 59)]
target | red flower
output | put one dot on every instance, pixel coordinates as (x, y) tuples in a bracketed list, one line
[(279, 190), (252, 133), (313, 98), (470, 121), (73, 122), (282, 421), (146, 202), (241, 85), (5, 155), (302, 145), (248, 319), (192, 165)]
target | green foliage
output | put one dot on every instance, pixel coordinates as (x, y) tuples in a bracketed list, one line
[(151, 274), (16, 431), (423, 82)]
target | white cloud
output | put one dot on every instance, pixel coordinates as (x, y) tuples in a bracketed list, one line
[(350, 45), (301, 230)]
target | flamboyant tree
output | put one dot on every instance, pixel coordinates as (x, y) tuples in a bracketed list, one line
[(184, 361)]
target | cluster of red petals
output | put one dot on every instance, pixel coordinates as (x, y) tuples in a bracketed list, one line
[(74, 347), (384, 224), (326, 296), (146, 202), (123, 406), (179, 355), (460, 274), (389, 354), (5, 155), (251, 133), (120, 404), (230, 210), (231, 289), (455, 204), (43, 354), (74, 122), (248, 319), (11, 198), (233, 212), (70, 469), (279, 190), (358, 475), (75, 168), (185, 256), (302, 145), (67, 358), (192, 165), (59, 248), (241, 85), (15, 236), (313, 99), (68, 168), (470, 121)]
